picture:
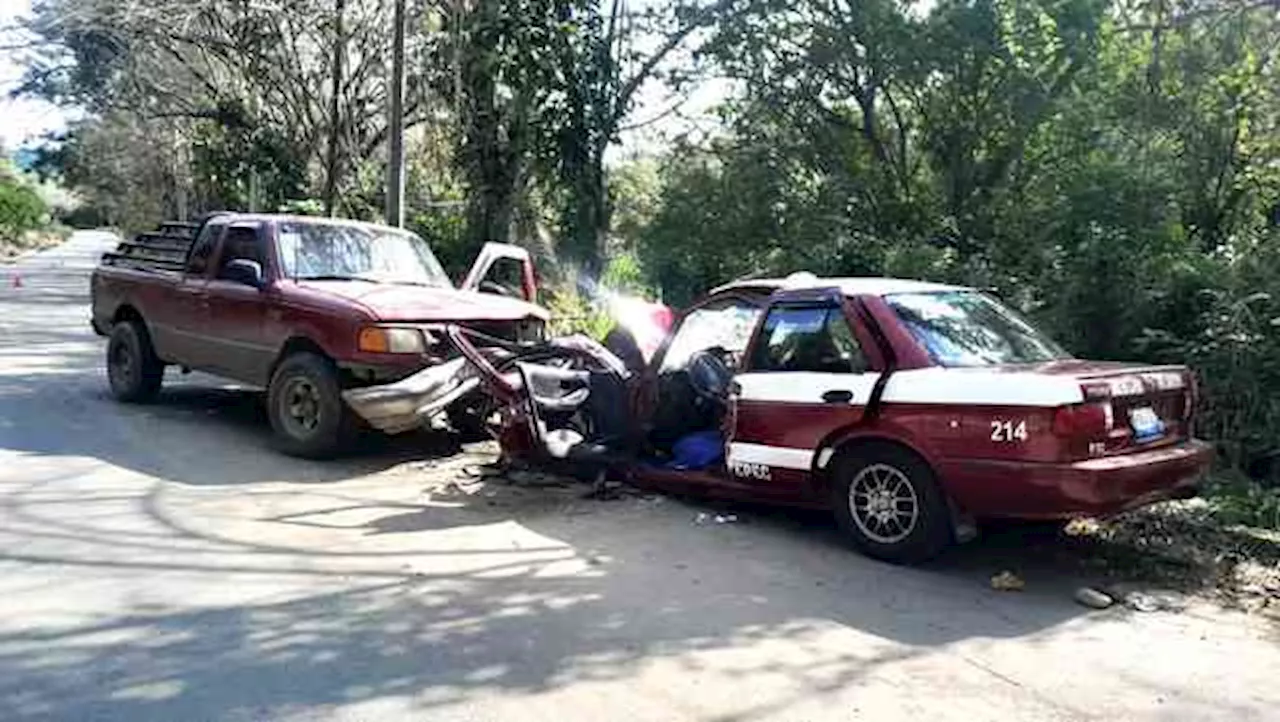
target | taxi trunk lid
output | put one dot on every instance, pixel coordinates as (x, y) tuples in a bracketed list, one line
[(1132, 407)]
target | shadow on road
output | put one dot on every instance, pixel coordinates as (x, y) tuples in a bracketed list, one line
[(604, 589)]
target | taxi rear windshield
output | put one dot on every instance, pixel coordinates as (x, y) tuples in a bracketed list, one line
[(968, 328)]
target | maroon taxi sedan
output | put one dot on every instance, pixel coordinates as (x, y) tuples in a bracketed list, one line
[(912, 410)]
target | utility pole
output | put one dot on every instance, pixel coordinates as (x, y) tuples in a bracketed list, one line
[(335, 111), (395, 124)]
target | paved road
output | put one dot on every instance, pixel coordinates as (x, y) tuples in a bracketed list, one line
[(161, 563)]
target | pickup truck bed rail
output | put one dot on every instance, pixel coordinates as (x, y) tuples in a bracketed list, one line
[(161, 250)]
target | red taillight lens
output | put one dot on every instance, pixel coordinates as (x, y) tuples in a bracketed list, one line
[(1093, 420)]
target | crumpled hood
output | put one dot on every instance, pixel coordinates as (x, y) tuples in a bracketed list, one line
[(396, 302)]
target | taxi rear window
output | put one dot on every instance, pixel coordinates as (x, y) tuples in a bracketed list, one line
[(968, 328)]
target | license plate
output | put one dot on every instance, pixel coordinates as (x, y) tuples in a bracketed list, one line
[(1146, 424)]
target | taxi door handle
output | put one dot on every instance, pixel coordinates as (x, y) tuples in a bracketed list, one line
[(837, 396)]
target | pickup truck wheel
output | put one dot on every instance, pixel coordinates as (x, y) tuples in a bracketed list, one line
[(133, 370), (888, 503), (306, 409)]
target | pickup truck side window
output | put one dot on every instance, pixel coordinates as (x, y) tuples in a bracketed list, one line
[(202, 248), (240, 243), (807, 338)]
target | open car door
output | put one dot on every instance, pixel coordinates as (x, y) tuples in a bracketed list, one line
[(497, 268)]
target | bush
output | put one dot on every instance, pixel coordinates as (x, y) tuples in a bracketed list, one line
[(1237, 500), (21, 209)]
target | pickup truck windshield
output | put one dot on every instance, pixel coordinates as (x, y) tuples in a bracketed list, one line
[(967, 328), (366, 253)]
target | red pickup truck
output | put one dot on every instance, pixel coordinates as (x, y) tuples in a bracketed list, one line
[(305, 307)]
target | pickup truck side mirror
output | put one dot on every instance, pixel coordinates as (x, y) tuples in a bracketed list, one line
[(243, 270)]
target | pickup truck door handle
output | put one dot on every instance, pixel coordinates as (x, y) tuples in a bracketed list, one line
[(837, 396)]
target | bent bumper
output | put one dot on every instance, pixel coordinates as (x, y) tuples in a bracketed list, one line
[(411, 402), (1095, 487)]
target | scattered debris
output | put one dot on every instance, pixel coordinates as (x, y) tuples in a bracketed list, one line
[(1141, 602), (595, 560), (1081, 527), (604, 490), (1092, 598), (707, 518), (1007, 581), (483, 471), (535, 479), (1145, 599)]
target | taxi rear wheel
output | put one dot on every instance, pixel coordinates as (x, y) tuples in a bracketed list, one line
[(888, 503)]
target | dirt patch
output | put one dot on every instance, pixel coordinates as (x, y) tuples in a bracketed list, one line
[(1184, 546)]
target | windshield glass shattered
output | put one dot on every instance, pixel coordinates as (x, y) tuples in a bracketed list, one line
[(368, 253), (967, 328)]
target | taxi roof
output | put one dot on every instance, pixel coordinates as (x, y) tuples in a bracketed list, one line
[(850, 286)]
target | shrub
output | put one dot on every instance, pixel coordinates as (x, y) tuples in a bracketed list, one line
[(21, 209)]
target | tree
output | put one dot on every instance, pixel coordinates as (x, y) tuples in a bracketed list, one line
[(603, 66)]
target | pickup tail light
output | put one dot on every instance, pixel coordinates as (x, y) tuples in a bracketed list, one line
[(1093, 419)]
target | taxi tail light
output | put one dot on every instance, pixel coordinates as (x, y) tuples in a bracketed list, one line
[(1093, 419)]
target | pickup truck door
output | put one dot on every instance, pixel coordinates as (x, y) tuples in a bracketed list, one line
[(178, 323), (805, 376), (236, 315), (489, 274)]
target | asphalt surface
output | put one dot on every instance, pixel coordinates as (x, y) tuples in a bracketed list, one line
[(163, 563)]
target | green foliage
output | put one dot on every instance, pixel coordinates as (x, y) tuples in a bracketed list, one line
[(1233, 342), (240, 163), (303, 207), (444, 229), (573, 313), (21, 208), (624, 274), (1235, 499)]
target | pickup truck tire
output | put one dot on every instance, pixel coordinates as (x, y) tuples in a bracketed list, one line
[(133, 369), (304, 403), (887, 501)]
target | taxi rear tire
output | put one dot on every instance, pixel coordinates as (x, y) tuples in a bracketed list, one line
[(888, 503)]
